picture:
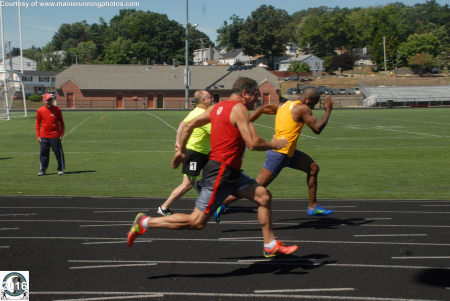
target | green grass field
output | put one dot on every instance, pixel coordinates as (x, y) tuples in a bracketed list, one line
[(368, 154)]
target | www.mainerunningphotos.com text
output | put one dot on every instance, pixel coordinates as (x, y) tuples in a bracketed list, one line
[(98, 4)]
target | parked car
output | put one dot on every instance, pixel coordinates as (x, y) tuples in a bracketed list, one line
[(343, 91), (355, 91), (335, 91), (294, 77), (291, 91)]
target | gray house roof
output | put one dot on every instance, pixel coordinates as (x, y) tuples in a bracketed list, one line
[(139, 77)]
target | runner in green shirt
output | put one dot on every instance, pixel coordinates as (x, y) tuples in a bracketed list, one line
[(197, 151)]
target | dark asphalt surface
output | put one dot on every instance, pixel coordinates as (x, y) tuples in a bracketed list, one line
[(75, 249)]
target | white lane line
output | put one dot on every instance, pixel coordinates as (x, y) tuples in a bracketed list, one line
[(406, 226), (108, 225), (228, 295), (7, 229), (17, 214), (154, 116), (435, 205), (156, 295), (272, 262), (114, 242), (78, 125), (378, 218), (301, 290), (111, 266), (114, 211), (387, 235), (421, 257), (242, 240), (4, 247)]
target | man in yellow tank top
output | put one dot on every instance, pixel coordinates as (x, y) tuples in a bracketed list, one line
[(289, 121), (197, 151)]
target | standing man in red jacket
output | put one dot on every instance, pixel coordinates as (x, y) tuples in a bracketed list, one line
[(49, 132)]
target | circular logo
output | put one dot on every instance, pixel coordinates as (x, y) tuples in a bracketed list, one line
[(14, 284)]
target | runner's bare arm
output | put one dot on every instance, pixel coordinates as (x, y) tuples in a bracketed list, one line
[(303, 112), (269, 109), (239, 117)]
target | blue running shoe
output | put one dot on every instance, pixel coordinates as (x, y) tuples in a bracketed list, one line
[(219, 212), (319, 211)]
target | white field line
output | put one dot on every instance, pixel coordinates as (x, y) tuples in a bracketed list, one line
[(78, 125), (109, 239), (421, 257), (388, 235), (411, 121), (4, 247), (154, 116), (7, 229), (380, 127), (268, 262), (435, 205), (301, 290), (269, 127), (224, 295)]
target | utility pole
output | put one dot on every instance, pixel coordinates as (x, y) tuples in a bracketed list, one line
[(187, 78), (384, 52)]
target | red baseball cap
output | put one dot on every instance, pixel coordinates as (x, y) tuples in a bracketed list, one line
[(47, 96)]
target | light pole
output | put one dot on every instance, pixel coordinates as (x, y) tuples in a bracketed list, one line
[(187, 77)]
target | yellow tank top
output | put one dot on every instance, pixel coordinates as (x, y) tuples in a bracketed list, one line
[(286, 127)]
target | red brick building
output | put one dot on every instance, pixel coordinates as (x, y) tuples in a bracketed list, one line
[(152, 87)]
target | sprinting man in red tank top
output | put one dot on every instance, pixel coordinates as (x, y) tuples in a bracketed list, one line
[(231, 132)]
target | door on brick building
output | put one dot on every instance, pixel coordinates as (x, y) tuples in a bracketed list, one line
[(69, 103), (216, 98), (119, 101), (160, 101), (266, 98), (150, 101)]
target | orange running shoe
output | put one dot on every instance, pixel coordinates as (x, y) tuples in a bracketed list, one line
[(279, 249), (136, 229)]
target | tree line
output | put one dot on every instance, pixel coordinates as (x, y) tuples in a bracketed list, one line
[(418, 32)]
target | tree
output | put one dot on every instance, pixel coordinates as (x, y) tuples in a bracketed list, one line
[(342, 62), (263, 33), (419, 43), (299, 67), (228, 34), (421, 62), (119, 51)]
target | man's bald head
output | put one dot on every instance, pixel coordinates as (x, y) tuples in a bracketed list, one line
[(311, 94)]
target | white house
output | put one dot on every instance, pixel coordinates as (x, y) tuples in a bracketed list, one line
[(201, 56), (38, 81), (14, 63), (315, 63), (235, 56), (362, 57)]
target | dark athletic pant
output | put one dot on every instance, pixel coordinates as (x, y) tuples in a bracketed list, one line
[(55, 144)]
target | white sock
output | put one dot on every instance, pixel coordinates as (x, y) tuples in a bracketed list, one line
[(271, 244), (145, 222)]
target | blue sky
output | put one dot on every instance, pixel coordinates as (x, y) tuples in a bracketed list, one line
[(40, 23)]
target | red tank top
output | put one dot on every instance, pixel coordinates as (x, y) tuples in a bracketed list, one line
[(227, 145)]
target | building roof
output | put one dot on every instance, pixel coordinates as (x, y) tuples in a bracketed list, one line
[(232, 54), (139, 77), (40, 73)]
